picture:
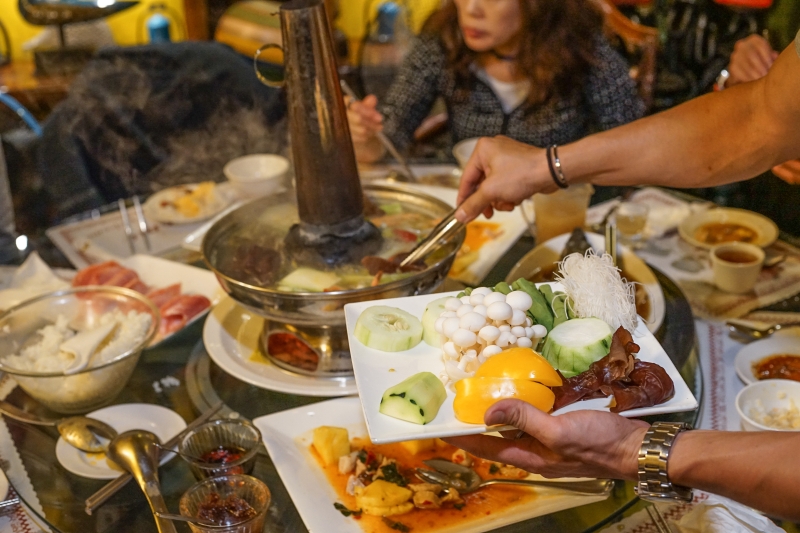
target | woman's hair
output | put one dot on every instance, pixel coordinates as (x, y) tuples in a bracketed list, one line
[(558, 39)]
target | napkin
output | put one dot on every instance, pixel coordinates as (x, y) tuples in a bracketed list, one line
[(31, 279), (722, 515)]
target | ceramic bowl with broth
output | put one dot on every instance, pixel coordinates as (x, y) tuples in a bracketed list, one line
[(736, 266), (713, 227)]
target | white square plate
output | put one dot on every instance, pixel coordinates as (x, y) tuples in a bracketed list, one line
[(376, 371), (287, 436)]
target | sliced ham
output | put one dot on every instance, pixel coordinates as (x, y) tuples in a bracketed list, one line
[(176, 312), (165, 294), (95, 274)]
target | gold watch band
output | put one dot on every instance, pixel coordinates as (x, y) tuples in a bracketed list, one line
[(654, 453)]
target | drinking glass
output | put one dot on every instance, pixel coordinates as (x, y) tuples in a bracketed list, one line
[(631, 219), (559, 212)]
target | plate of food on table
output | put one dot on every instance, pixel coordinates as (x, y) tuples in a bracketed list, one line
[(713, 227), (189, 203), (430, 366), (341, 481)]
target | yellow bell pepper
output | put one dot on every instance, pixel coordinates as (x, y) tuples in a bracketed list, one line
[(520, 363), (475, 395)]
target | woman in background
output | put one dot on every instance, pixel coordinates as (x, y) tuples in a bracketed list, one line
[(538, 71)]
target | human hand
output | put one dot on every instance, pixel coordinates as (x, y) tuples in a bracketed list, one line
[(500, 174), (364, 119), (577, 444), (789, 171), (751, 59)]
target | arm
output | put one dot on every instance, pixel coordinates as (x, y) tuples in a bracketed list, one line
[(413, 91), (610, 91), (757, 469), (718, 138)]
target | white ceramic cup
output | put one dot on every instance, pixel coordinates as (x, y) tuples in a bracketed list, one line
[(736, 266), (764, 396), (463, 150), (256, 175)]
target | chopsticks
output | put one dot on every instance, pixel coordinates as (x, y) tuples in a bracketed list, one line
[(385, 141), (141, 224), (658, 519), (101, 496), (444, 230)]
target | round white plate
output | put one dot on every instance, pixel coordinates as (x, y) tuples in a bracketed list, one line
[(231, 338), (755, 351), (165, 423), (549, 252), (765, 228), (157, 205)]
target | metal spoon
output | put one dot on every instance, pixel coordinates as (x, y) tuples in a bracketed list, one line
[(186, 455), (81, 432), (466, 480), (754, 332), (195, 521), (136, 452)]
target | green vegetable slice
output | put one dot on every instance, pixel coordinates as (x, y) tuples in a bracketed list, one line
[(388, 329)]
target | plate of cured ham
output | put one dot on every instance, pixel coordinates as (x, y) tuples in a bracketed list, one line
[(377, 371), (182, 293)]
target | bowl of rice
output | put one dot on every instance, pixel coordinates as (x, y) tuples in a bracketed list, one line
[(33, 350), (770, 405)]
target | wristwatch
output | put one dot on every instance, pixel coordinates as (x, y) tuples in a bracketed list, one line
[(654, 484), (722, 79)]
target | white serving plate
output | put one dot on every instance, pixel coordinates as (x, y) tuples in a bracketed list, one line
[(165, 423), (755, 351), (766, 229), (231, 334), (287, 436), (154, 208), (376, 371), (550, 251)]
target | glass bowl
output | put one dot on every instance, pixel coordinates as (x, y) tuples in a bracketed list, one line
[(227, 490), (234, 443), (42, 376)]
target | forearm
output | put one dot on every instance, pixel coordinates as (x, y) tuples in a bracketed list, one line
[(756, 469), (718, 138)]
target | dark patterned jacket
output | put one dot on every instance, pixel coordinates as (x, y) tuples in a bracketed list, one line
[(608, 99)]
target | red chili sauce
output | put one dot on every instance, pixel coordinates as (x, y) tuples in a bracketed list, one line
[(781, 366)]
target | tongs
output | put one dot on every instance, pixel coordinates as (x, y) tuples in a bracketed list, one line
[(445, 229)]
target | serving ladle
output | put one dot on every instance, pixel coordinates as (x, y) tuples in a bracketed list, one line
[(466, 480), (82, 432), (136, 452)]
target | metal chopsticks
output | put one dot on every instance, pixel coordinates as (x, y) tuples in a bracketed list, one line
[(385, 141), (141, 224), (444, 230), (101, 496)]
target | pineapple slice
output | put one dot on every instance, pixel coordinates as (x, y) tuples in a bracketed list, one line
[(381, 493), (331, 443), (420, 445)]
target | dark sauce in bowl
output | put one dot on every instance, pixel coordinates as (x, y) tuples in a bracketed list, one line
[(225, 512), (223, 455)]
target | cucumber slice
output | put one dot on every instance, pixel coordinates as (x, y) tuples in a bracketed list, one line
[(432, 313), (416, 399), (388, 329)]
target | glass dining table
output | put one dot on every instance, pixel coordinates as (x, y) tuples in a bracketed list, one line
[(58, 496)]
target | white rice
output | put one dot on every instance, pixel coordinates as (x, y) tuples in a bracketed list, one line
[(45, 355)]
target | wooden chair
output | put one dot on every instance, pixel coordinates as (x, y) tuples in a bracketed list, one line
[(640, 41)]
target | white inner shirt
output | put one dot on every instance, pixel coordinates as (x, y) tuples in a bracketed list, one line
[(511, 94)]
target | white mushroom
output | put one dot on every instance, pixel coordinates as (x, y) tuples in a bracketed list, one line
[(464, 338), (438, 324), (463, 310), (489, 333), (448, 314), (539, 331), (517, 318), (464, 299), (482, 290), (449, 348), (490, 351), (494, 297), (475, 298), (502, 340), (452, 304), (518, 331), (528, 322), (524, 342), (504, 327), (472, 321), (450, 326), (499, 311), (519, 300), (480, 309)]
